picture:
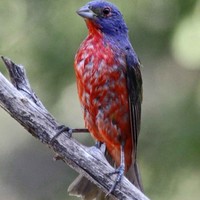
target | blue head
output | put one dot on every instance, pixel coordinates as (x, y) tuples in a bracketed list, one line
[(105, 17)]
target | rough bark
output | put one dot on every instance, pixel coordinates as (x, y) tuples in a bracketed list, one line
[(18, 99)]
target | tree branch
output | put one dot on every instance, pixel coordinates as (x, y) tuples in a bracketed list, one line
[(18, 99)]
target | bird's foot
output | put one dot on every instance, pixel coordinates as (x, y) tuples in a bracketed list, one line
[(61, 129), (120, 172)]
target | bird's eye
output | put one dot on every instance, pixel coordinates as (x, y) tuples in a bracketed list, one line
[(106, 11)]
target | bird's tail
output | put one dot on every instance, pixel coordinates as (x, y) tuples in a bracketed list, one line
[(85, 189), (133, 175), (82, 187)]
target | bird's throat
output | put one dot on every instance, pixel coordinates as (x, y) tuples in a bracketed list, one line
[(93, 28)]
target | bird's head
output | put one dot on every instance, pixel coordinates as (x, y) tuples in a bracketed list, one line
[(103, 16)]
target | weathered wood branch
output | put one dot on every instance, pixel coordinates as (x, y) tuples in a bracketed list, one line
[(18, 99)]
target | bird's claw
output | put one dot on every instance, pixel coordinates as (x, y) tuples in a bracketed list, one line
[(61, 129), (119, 171)]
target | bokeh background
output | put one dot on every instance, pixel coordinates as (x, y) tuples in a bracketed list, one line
[(44, 36)]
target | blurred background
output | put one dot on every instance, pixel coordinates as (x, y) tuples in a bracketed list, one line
[(44, 37)]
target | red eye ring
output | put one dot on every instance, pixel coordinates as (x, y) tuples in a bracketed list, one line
[(106, 11)]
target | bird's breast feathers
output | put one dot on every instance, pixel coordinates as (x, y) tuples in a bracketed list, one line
[(102, 88)]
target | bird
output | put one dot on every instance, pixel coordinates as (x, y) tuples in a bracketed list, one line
[(109, 85)]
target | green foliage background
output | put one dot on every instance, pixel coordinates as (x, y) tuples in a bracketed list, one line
[(44, 36)]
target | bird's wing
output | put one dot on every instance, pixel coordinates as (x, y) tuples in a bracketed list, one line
[(134, 83)]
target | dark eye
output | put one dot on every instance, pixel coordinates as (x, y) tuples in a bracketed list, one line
[(106, 11)]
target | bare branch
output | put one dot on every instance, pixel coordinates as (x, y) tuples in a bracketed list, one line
[(18, 99)]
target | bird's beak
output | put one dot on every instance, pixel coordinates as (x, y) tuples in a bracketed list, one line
[(86, 12)]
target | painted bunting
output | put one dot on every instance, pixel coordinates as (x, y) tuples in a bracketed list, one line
[(109, 87)]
